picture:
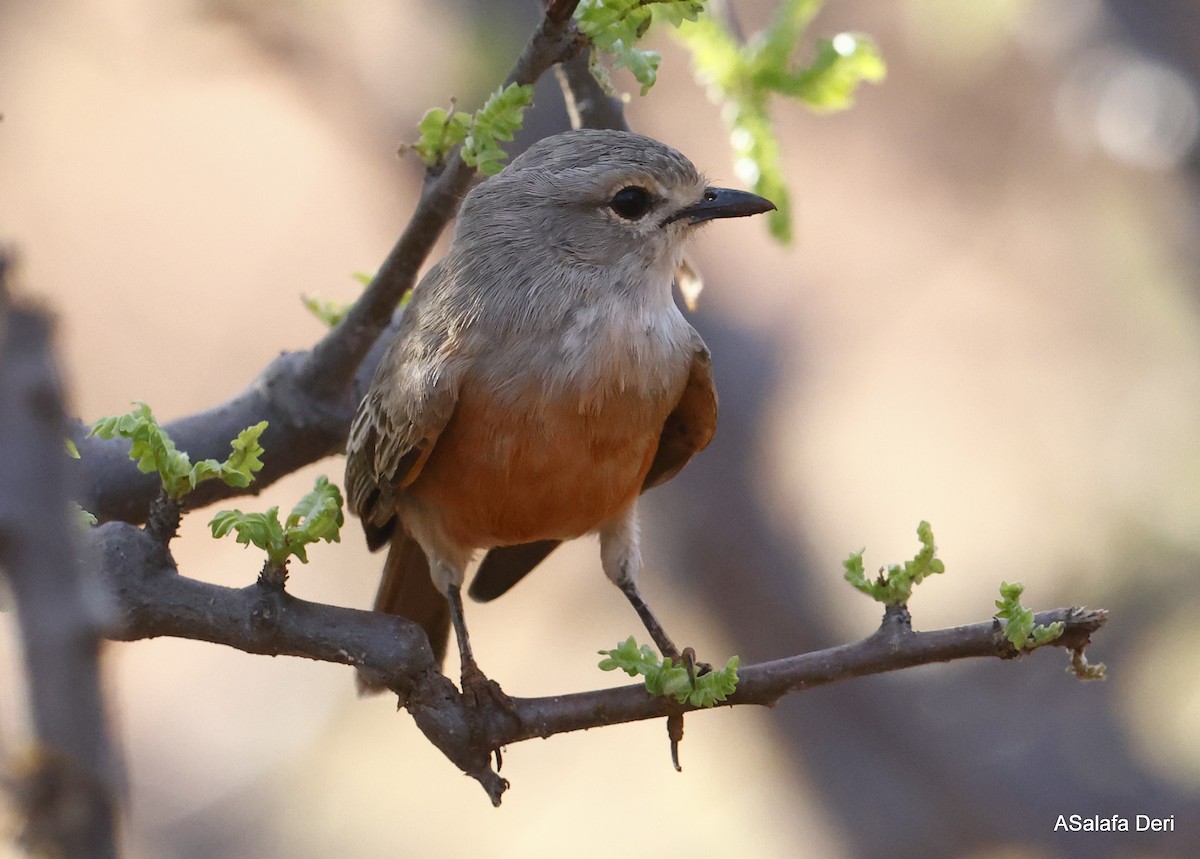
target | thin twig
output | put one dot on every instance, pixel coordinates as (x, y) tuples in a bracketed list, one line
[(332, 362)]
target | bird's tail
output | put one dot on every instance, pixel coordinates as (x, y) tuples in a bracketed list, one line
[(407, 590)]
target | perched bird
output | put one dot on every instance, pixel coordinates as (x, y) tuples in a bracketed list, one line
[(540, 380)]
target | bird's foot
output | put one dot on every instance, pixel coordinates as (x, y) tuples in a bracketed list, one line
[(480, 692), (694, 668)]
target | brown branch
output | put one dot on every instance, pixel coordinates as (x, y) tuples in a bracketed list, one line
[(66, 785), (309, 398), (588, 105), (155, 600), (333, 361)]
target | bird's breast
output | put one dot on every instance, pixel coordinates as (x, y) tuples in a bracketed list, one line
[(550, 445)]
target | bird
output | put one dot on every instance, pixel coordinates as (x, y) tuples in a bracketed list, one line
[(540, 379)]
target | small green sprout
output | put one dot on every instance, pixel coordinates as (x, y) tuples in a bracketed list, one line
[(1084, 670), (1019, 627), (153, 451), (895, 586), (440, 131), (329, 312), (479, 133), (499, 119), (616, 26), (317, 516), (665, 677)]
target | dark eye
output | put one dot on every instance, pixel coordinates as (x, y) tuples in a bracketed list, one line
[(632, 202)]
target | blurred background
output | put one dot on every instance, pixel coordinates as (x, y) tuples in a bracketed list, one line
[(988, 320)]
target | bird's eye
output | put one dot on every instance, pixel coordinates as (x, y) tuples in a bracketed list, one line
[(631, 203)]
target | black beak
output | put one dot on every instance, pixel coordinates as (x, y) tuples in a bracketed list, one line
[(722, 203)]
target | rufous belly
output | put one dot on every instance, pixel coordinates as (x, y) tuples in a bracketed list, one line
[(500, 475)]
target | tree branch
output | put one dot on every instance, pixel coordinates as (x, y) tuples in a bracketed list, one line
[(67, 784), (155, 600), (588, 105), (332, 362), (310, 398)]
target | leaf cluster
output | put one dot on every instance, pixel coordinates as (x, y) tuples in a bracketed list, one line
[(616, 26), (479, 133), (317, 516), (742, 77), (329, 312), (666, 677), (1019, 627), (894, 587), (153, 451)]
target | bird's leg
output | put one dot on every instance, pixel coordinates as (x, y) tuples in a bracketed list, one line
[(621, 556), (663, 641), (477, 687)]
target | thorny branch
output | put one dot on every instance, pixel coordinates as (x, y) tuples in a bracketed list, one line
[(155, 600), (309, 398)]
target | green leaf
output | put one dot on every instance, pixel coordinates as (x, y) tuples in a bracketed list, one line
[(616, 26), (317, 516), (499, 119), (715, 686), (630, 658), (333, 312), (894, 587), (758, 162), (150, 447), (856, 573), (664, 677), (245, 456), (1019, 627), (742, 78), (153, 451), (440, 131), (205, 469), (259, 529), (830, 83), (329, 312), (72, 448)]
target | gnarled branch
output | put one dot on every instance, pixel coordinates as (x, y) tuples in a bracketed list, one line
[(309, 397), (156, 600)]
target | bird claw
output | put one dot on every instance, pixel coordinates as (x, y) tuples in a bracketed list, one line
[(694, 668), (480, 692)]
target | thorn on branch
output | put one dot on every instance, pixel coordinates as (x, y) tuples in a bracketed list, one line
[(273, 576), (163, 521), (675, 732)]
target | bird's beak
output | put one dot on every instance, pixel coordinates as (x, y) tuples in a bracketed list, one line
[(722, 203)]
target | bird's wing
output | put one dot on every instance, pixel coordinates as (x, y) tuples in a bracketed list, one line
[(688, 428), (690, 425), (409, 403)]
